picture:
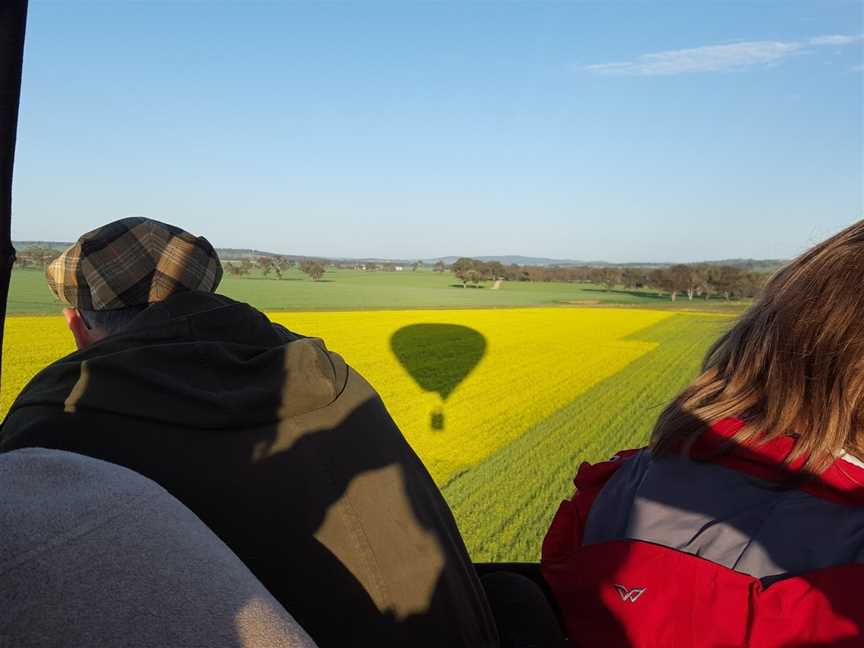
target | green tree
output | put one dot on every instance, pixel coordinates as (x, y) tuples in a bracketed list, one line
[(283, 264), (608, 277), (662, 280), (727, 280), (462, 269), (679, 278), (266, 264), (633, 278), (314, 269)]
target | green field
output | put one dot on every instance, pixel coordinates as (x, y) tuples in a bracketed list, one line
[(567, 380), (358, 290), (505, 504), (540, 391)]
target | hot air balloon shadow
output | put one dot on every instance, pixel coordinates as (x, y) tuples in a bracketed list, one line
[(438, 357)]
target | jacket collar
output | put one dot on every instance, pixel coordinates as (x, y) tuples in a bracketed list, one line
[(198, 315), (841, 482)]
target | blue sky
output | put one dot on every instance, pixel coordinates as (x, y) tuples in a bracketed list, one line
[(616, 131)]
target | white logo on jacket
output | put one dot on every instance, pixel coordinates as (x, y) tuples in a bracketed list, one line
[(631, 595)]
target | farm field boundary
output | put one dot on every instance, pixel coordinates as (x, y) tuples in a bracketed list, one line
[(505, 504), (352, 290), (534, 392), (519, 377)]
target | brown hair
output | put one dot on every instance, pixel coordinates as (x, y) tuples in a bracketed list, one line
[(793, 364)]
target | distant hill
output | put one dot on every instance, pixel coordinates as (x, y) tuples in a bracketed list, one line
[(55, 245), (753, 265), (378, 260), (226, 254), (510, 259), (236, 254)]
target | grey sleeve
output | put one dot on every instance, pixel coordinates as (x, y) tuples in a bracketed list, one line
[(93, 554)]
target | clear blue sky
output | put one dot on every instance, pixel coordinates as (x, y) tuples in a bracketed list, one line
[(616, 131)]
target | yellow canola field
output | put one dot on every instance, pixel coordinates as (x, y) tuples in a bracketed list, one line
[(522, 365), (536, 360), (30, 343)]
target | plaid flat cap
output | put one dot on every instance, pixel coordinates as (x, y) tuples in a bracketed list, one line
[(132, 262)]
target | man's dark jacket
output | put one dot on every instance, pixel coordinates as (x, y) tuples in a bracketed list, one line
[(285, 452)]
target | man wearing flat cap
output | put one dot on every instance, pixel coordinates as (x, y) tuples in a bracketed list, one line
[(281, 448)]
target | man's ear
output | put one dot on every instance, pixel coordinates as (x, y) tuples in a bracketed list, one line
[(84, 336)]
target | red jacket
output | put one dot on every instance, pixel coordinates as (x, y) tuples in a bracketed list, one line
[(680, 553)]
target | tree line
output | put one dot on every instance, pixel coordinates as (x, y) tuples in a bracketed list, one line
[(693, 280), (38, 257), (276, 265), (35, 257)]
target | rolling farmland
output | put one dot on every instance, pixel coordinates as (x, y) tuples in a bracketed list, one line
[(519, 380), (505, 504), (501, 405), (344, 289)]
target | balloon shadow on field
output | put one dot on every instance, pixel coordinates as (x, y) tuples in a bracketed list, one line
[(313, 486), (439, 357)]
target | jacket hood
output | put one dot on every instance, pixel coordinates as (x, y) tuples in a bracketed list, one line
[(198, 360)]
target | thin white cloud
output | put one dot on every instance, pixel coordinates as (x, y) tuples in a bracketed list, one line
[(716, 58), (835, 40)]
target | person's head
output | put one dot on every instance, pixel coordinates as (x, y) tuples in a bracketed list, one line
[(116, 271), (793, 364), (90, 326)]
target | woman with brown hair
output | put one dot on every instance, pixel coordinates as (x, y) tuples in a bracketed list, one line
[(743, 522)]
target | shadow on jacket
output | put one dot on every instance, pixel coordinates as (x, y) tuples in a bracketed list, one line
[(285, 452)]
